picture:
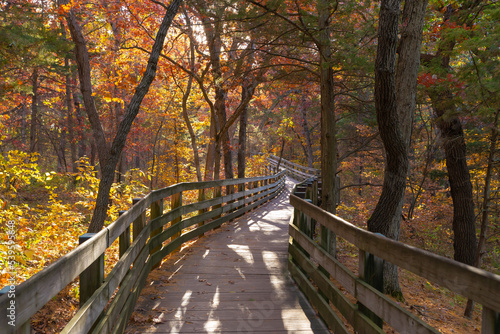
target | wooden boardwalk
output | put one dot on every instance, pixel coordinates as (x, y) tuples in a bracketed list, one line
[(235, 281)]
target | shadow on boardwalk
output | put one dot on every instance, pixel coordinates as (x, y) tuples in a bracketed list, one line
[(234, 281)]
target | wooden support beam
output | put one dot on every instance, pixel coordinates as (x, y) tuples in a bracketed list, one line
[(124, 239), (490, 322), (176, 201), (371, 270), (92, 277), (139, 222), (156, 211)]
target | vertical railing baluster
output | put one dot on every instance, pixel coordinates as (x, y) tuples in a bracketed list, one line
[(139, 222), (124, 239), (201, 198), (92, 277), (156, 211), (490, 321), (176, 201)]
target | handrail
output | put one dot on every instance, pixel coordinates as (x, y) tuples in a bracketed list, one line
[(309, 262), (294, 170), (104, 313)]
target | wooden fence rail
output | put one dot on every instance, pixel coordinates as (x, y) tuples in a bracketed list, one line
[(294, 170), (308, 263), (107, 307)]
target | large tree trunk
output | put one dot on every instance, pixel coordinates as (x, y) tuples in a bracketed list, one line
[(464, 229), (328, 124), (395, 102), (109, 157)]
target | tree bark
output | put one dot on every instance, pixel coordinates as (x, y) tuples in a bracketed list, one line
[(307, 134), (242, 136), (185, 98), (34, 113), (328, 121), (395, 92), (450, 126), (328, 125), (464, 229), (70, 121)]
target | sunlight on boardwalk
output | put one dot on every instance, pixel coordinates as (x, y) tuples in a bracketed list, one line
[(235, 281)]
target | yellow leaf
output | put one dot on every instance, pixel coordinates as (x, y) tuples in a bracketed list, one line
[(29, 254)]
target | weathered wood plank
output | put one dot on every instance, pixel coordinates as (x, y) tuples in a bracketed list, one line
[(476, 284), (125, 220), (35, 292), (399, 318), (358, 320), (88, 313), (236, 280), (327, 314)]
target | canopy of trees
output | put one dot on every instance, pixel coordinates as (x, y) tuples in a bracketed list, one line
[(191, 90)]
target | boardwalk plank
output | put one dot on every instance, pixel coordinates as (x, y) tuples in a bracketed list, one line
[(234, 281)]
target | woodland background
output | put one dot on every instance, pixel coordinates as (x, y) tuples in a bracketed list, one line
[(263, 59)]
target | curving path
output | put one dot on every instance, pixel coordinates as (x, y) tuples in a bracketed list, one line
[(235, 281)]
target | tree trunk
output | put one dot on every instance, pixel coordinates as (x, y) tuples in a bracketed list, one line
[(485, 210), (214, 44), (210, 158), (242, 137), (109, 157), (34, 113), (70, 122), (185, 98), (307, 135), (395, 92), (82, 147), (328, 125), (464, 229), (62, 164)]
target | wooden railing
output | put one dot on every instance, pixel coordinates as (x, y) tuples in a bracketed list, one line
[(107, 302), (311, 267), (296, 171)]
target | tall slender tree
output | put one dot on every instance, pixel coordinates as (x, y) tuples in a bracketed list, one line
[(109, 155)]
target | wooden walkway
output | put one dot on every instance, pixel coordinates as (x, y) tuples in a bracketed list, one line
[(235, 281)]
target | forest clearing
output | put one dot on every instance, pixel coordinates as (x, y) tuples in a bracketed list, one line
[(393, 105)]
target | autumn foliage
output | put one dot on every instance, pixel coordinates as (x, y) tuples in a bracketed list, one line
[(49, 165)]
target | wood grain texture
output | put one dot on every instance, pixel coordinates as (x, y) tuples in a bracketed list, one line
[(234, 281), (479, 285)]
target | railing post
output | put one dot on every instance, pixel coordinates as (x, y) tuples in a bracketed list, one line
[(11, 313), (371, 270), (490, 322), (241, 188), (156, 211), (139, 222), (92, 277), (176, 201), (124, 239), (201, 198), (255, 186), (217, 193)]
